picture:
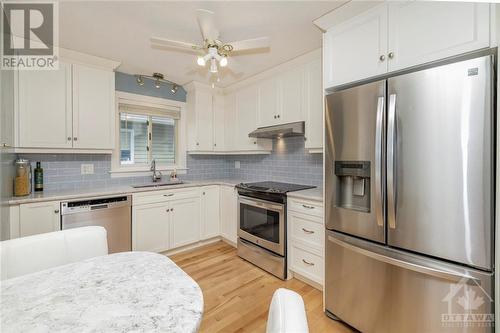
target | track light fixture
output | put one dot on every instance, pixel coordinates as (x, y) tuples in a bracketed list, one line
[(158, 81)]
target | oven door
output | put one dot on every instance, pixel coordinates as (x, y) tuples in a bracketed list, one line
[(262, 222)]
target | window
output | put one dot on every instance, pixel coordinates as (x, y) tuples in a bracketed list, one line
[(146, 134)]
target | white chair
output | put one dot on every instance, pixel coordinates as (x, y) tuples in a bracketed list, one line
[(287, 313), (30, 254)]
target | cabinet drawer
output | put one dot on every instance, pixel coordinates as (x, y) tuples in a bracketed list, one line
[(309, 207), (164, 195), (307, 229), (307, 264)]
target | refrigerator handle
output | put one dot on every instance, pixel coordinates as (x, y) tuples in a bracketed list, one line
[(379, 151), (408, 264), (391, 162)]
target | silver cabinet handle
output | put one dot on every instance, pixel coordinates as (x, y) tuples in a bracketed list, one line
[(308, 207), (382, 57), (391, 55), (56, 211), (169, 195), (307, 262), (391, 161), (307, 231), (407, 264), (379, 151)]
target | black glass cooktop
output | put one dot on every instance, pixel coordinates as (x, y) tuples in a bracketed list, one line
[(273, 187)]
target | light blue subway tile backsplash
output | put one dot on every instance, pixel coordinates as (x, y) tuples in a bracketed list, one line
[(289, 162)]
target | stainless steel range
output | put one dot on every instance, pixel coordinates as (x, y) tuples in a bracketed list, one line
[(262, 224)]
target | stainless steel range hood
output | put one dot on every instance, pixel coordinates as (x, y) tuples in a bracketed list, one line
[(279, 131)]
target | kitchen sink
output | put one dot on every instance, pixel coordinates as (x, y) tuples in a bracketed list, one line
[(158, 184)]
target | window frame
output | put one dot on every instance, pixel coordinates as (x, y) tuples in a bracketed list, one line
[(144, 102)]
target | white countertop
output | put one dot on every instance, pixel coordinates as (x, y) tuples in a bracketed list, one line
[(122, 292), (113, 190), (309, 194)]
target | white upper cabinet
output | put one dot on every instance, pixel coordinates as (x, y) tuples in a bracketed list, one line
[(292, 95), (200, 118), (268, 103), (356, 49), (401, 34), (421, 32), (218, 122), (44, 108), (313, 105), (93, 108)]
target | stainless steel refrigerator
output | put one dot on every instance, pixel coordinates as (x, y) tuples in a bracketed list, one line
[(409, 172)]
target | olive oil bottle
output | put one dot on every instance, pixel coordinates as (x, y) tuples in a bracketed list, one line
[(38, 177)]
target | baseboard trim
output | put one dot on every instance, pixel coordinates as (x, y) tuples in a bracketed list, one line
[(310, 282), (192, 246)]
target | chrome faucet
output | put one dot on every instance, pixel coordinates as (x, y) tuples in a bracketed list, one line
[(156, 174)]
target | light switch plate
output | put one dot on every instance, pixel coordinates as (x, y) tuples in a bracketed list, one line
[(87, 169), (236, 164)]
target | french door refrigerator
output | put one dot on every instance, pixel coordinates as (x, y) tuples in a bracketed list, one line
[(409, 172)]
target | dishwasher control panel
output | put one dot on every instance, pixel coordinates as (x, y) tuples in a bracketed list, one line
[(88, 205)]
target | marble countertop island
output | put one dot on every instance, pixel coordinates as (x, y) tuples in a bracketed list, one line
[(122, 292)]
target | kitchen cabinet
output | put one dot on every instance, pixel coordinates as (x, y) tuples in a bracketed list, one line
[(313, 101), (229, 213), (184, 221), (356, 49), (39, 218), (150, 227), (291, 95), (268, 102), (93, 108), (7, 124), (210, 212), (219, 123), (44, 108), (420, 32), (398, 35)]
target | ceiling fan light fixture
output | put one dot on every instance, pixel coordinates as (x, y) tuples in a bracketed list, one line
[(174, 88), (157, 84), (223, 61), (213, 66), (201, 61)]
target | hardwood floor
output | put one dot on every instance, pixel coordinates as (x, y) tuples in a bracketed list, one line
[(237, 294)]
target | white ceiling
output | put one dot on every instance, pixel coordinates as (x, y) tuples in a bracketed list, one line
[(120, 30)]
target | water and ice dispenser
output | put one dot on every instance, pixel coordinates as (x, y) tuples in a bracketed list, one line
[(353, 185)]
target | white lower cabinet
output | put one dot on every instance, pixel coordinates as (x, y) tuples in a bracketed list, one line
[(229, 213), (306, 238), (210, 212), (150, 227), (184, 221), (39, 218)]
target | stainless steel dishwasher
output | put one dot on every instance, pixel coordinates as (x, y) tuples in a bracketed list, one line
[(112, 213)]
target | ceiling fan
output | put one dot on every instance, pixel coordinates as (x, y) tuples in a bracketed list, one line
[(213, 50)]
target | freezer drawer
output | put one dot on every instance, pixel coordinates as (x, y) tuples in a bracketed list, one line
[(377, 289)]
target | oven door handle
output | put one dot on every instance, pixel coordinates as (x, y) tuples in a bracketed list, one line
[(261, 204)]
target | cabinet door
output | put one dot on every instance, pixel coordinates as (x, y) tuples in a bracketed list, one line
[(44, 106), (93, 108), (353, 49), (204, 121), (313, 105), (210, 216), (184, 221), (218, 128), (7, 92), (230, 119), (268, 106), (246, 106), (229, 213), (39, 218), (421, 32), (291, 96), (150, 227)]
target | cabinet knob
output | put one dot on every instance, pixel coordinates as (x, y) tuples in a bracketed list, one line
[(215, 145), (56, 211), (171, 209), (382, 57), (203, 193), (275, 117), (278, 116), (255, 142), (69, 138), (391, 55), (75, 138), (197, 143), (168, 210)]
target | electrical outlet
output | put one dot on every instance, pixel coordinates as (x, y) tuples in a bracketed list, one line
[(87, 169), (236, 164)]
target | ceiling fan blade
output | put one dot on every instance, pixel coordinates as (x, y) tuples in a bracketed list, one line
[(247, 44), (158, 41), (206, 21)]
